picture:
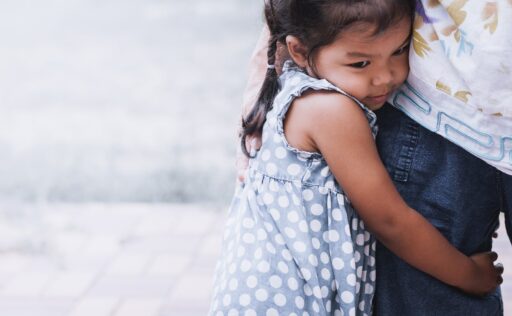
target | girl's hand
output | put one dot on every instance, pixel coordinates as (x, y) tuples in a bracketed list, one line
[(241, 164), (242, 161), (487, 276)]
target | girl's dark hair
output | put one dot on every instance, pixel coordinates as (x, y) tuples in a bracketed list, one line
[(315, 23)]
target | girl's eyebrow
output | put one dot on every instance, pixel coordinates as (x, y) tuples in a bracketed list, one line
[(365, 55), (359, 54)]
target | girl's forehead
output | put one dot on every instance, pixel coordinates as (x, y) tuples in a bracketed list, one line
[(367, 32), (372, 42)]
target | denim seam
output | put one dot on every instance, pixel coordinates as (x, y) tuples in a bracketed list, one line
[(405, 158)]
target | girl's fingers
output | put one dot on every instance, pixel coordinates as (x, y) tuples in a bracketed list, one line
[(254, 145), (240, 176)]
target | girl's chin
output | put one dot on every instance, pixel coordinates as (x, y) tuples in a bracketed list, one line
[(375, 106)]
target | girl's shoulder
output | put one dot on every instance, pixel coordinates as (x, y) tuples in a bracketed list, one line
[(297, 83), (322, 112), (315, 96), (321, 109), (319, 103)]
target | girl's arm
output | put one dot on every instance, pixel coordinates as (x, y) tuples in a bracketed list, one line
[(336, 126)]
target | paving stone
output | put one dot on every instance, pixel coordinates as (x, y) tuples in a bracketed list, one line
[(95, 306), (102, 245), (11, 263), (84, 261), (220, 223), (69, 284), (139, 307), (182, 311), (67, 242), (131, 287), (128, 264), (160, 223), (118, 215), (211, 245), (27, 284), (163, 244), (204, 265), (195, 223), (192, 292), (34, 307), (169, 265)]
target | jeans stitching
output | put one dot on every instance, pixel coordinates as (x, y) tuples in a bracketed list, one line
[(405, 158)]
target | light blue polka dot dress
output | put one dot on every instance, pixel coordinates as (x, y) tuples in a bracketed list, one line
[(293, 244)]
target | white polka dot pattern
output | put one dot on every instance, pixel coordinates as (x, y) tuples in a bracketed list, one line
[(293, 244)]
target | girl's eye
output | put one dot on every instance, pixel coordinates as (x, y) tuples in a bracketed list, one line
[(401, 50), (360, 64)]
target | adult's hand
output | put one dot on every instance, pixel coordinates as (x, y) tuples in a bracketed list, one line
[(242, 161)]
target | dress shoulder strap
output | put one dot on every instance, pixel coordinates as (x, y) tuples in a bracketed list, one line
[(294, 82)]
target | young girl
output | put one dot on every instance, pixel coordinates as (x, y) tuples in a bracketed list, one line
[(294, 244)]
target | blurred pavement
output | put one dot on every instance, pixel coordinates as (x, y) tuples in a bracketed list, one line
[(124, 260)]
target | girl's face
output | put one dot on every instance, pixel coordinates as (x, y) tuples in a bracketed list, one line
[(367, 66)]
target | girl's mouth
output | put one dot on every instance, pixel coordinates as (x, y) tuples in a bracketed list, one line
[(379, 98)]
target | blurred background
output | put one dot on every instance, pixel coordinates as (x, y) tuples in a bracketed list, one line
[(117, 142), (117, 101)]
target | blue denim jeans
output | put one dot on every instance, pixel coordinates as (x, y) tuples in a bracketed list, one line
[(459, 194)]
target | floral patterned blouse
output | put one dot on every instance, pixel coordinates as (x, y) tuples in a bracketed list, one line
[(460, 84)]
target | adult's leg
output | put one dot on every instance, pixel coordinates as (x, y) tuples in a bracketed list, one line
[(507, 205), (458, 193)]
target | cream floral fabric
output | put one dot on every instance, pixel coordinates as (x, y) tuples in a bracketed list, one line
[(460, 84)]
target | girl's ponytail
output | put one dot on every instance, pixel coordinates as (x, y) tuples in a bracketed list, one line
[(252, 125)]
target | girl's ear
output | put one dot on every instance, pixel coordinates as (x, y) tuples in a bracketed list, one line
[(297, 50)]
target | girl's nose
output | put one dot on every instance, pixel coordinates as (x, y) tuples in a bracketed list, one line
[(383, 77)]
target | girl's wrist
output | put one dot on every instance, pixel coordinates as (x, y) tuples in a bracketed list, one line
[(469, 275)]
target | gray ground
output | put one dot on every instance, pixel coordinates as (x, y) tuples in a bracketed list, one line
[(128, 260)]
